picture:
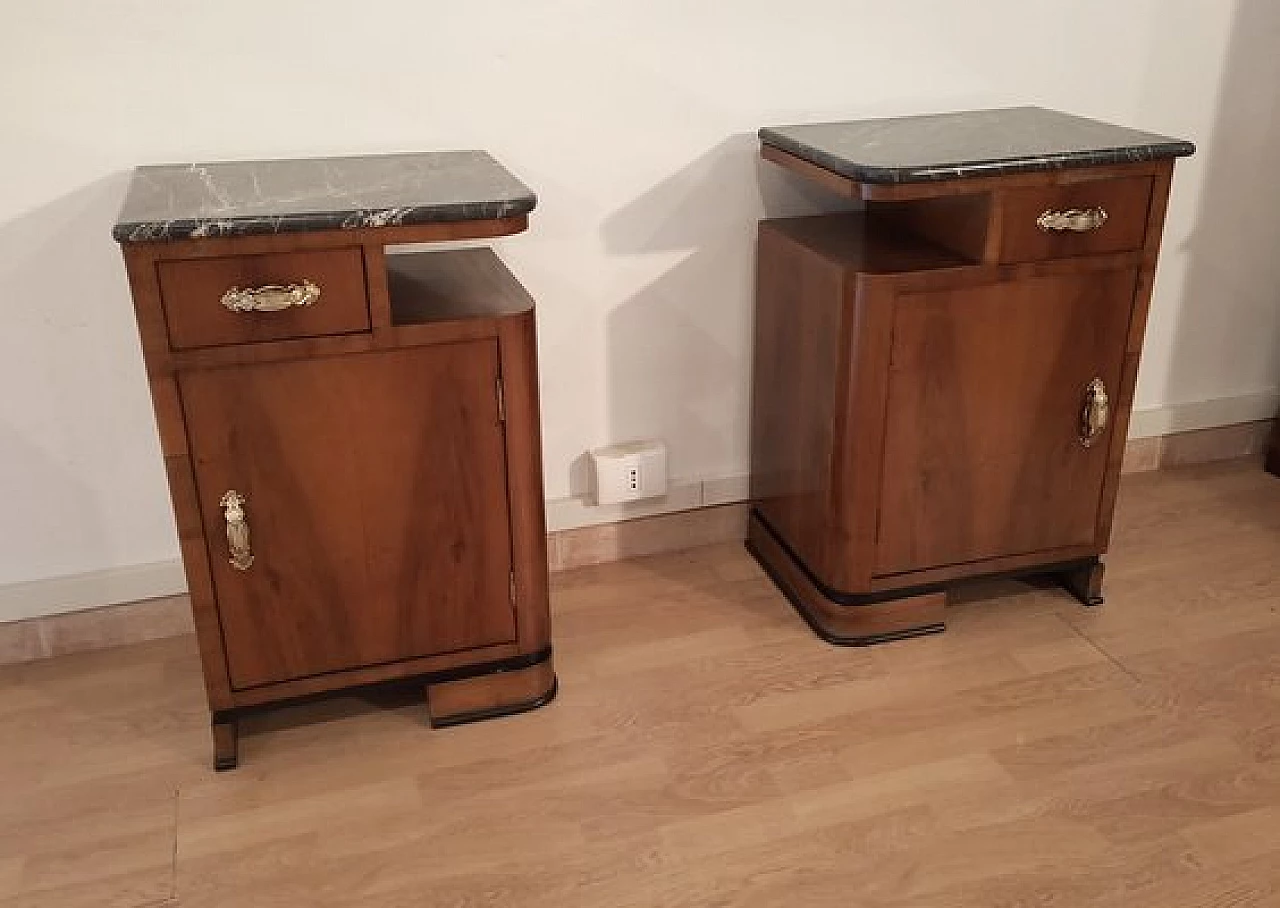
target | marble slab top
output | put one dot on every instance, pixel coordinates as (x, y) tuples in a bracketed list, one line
[(244, 198), (975, 143)]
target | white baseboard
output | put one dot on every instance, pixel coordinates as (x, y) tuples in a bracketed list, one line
[(1204, 414), (71, 593), (133, 583), (683, 495)]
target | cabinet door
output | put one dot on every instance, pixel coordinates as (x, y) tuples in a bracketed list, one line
[(375, 495), (983, 454)]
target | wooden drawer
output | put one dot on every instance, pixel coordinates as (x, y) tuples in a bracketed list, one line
[(195, 305), (1125, 202)]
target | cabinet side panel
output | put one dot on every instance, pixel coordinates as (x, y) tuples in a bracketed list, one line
[(144, 284), (862, 403), (195, 564), (524, 478), (171, 426), (1159, 205), (799, 307)]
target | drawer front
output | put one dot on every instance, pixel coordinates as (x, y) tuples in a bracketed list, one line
[(209, 302), (1087, 218)]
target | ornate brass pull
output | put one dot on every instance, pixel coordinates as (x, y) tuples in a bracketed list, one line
[(1095, 413), (1072, 220), (271, 297), (237, 530)]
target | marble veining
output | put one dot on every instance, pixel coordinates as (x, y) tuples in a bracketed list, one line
[(243, 198), (972, 143)]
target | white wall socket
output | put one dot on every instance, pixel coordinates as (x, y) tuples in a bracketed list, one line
[(629, 472)]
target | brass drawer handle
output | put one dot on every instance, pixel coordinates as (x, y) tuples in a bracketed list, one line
[(1095, 413), (271, 297), (237, 530), (1072, 220)]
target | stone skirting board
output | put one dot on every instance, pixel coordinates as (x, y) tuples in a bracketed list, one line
[(135, 622)]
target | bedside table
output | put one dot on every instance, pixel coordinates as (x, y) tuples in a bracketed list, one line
[(943, 380), (351, 437)]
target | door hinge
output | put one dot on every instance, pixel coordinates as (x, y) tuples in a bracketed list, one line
[(502, 400), (512, 587)]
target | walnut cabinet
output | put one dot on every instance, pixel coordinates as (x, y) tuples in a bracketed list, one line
[(356, 477), (942, 385)]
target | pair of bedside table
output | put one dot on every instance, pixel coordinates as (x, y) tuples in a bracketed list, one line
[(942, 385)]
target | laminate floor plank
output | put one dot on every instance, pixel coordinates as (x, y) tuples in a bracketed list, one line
[(707, 750)]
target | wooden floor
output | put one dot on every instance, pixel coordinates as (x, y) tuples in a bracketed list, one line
[(707, 749)]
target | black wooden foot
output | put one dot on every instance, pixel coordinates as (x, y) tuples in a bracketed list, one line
[(226, 745), (1085, 582), (890, 616)]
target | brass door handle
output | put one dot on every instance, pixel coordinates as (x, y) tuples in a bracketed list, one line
[(232, 503), (1095, 413), (271, 297), (1072, 220)]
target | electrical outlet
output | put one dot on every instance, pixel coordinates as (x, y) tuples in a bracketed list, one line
[(629, 472)]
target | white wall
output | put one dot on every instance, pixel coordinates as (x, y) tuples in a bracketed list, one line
[(634, 123)]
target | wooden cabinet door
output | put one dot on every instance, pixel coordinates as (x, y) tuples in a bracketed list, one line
[(376, 499), (987, 385)]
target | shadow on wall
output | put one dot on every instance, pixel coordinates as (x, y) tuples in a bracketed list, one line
[(678, 358), (77, 439), (1230, 317)]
